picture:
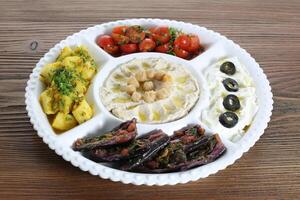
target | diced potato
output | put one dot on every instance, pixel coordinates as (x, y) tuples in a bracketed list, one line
[(88, 71), (66, 51), (46, 99), (48, 71), (82, 112), (80, 87), (65, 104), (64, 121), (71, 62), (83, 52)]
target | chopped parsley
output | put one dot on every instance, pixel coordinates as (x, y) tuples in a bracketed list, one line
[(173, 32), (63, 80)]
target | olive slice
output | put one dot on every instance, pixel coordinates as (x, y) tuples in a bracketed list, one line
[(228, 119), (231, 102), (230, 85), (228, 68)]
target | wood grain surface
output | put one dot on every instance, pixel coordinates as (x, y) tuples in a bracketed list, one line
[(269, 30)]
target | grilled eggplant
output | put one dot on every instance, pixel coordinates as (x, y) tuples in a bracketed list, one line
[(174, 158), (157, 141), (121, 134)]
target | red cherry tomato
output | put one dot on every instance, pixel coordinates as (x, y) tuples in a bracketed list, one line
[(120, 30), (135, 34), (183, 42), (161, 34), (195, 44), (119, 39), (164, 48), (147, 45), (181, 52), (129, 48), (105, 40), (112, 49)]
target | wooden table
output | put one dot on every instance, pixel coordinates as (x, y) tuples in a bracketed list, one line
[(269, 30)]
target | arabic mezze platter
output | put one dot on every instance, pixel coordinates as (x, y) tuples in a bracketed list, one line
[(149, 101)]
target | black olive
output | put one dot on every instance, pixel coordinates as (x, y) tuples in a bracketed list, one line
[(228, 68), (231, 102), (228, 119), (230, 84)]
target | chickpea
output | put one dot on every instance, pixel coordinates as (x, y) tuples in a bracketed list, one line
[(132, 81), (149, 96), (136, 96), (167, 78), (150, 74), (159, 75), (148, 85), (162, 93), (130, 89), (141, 76)]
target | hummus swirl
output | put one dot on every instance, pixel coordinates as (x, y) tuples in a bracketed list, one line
[(182, 92)]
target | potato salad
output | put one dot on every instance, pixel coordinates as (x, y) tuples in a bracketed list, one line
[(66, 81)]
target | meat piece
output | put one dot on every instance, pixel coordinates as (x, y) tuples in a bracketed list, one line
[(123, 133)]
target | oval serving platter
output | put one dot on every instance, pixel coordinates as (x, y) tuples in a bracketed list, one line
[(216, 48)]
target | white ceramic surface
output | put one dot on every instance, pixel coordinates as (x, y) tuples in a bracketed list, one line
[(217, 46)]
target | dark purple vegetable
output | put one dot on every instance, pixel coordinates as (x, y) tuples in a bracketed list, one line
[(190, 136), (157, 141), (119, 152), (173, 158), (121, 134)]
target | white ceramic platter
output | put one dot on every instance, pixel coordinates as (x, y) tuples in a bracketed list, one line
[(217, 46)]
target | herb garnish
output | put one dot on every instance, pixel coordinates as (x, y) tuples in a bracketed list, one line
[(63, 80)]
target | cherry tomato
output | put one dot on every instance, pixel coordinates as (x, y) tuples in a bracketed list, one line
[(147, 45), (195, 44), (164, 48), (161, 34), (104, 40), (119, 39), (183, 42), (129, 48), (135, 34), (181, 52), (120, 30), (112, 49)]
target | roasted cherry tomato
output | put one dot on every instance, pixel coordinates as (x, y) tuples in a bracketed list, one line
[(195, 44), (164, 48), (161, 34), (120, 39), (147, 45), (105, 40), (129, 48), (112, 49), (120, 30), (181, 52), (183, 42), (135, 34)]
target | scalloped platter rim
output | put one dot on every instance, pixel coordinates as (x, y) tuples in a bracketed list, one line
[(218, 47)]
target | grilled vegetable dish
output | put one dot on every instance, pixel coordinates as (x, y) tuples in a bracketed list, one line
[(153, 152)]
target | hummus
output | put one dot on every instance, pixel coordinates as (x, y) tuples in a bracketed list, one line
[(153, 90), (245, 93)]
